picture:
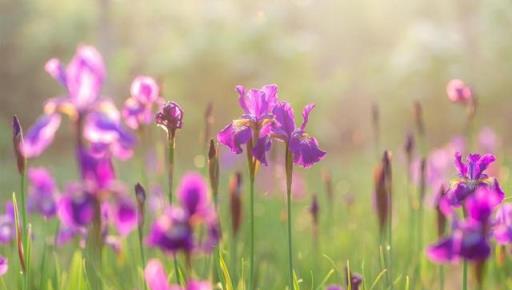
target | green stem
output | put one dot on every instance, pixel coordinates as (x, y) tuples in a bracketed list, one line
[(172, 143), (176, 270), (289, 174), (465, 276), (441, 277), (142, 255), (24, 228), (251, 261)]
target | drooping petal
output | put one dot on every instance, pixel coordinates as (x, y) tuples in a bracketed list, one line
[(305, 115), (193, 194), (443, 251), (155, 276), (234, 136), (144, 89), (305, 150), (474, 245), (85, 75), (458, 193), (503, 224), (41, 135), (284, 118), (98, 172), (260, 149)]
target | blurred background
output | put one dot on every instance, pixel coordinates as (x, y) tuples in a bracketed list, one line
[(345, 56), (342, 55)]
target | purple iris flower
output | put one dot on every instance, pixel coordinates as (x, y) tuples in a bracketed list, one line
[(97, 172), (172, 231), (472, 177), (467, 241), (175, 230), (42, 192), (503, 224), (138, 109), (170, 117), (123, 214), (254, 124), (4, 265), (7, 229), (156, 279), (76, 207), (304, 148), (82, 79)]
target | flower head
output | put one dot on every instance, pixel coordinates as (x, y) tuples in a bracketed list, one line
[(42, 192), (17, 141), (172, 232), (156, 279), (170, 117), (138, 109), (7, 226), (254, 124), (458, 91), (304, 148)]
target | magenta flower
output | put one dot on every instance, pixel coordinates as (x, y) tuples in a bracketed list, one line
[(471, 177), (156, 279), (138, 109), (175, 230), (254, 124), (7, 229), (4, 265), (76, 207), (304, 148), (467, 241), (170, 118), (42, 192), (458, 91), (503, 225), (82, 78)]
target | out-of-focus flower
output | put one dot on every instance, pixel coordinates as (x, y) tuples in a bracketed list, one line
[(175, 229), (170, 118), (42, 192), (76, 207), (467, 241), (459, 92), (98, 117), (156, 279), (4, 265), (488, 140), (304, 148), (7, 226), (254, 124), (138, 109), (503, 224), (471, 177), (314, 209), (172, 232), (334, 287)]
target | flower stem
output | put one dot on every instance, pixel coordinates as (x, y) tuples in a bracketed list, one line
[(176, 270), (289, 174), (441, 277), (142, 255), (172, 144), (24, 235), (252, 172), (465, 276)]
